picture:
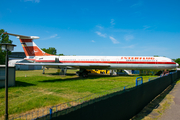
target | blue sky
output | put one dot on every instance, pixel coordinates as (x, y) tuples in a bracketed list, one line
[(96, 27)]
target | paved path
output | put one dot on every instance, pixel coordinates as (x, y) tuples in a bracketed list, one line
[(173, 112)]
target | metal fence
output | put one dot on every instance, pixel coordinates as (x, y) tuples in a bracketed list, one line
[(48, 112)]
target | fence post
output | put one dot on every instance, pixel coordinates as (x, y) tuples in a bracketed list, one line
[(141, 80), (136, 82), (171, 77), (50, 112)]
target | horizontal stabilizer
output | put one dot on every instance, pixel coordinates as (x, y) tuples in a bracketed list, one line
[(23, 36)]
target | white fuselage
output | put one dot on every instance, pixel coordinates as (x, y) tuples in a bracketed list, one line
[(114, 62), (39, 57)]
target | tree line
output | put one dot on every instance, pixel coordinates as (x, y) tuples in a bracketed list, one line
[(51, 50)]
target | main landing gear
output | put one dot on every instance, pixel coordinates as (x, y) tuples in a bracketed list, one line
[(83, 73)]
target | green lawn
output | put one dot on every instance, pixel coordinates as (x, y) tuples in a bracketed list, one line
[(34, 90)]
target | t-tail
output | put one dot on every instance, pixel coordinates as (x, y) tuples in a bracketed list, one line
[(30, 48)]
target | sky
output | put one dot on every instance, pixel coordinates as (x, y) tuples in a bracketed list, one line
[(96, 27)]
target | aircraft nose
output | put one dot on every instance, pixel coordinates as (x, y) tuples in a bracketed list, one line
[(177, 65)]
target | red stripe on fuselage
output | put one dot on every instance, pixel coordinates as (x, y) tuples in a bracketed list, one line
[(110, 62)]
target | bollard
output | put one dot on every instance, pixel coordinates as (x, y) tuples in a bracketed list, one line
[(137, 80)]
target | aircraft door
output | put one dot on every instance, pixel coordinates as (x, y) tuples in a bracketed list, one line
[(117, 60), (56, 60)]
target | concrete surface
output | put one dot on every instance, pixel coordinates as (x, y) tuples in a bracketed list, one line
[(173, 112)]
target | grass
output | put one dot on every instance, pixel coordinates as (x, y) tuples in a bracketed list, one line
[(35, 90)]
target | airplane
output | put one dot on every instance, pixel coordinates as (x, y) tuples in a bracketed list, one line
[(38, 57)]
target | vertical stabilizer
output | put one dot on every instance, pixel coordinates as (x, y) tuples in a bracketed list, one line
[(29, 47)]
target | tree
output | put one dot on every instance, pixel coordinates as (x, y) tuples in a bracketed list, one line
[(156, 55), (4, 38), (177, 61), (61, 54), (50, 50), (174, 59)]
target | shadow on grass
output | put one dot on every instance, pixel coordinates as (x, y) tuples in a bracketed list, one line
[(77, 78), (20, 84), (154, 104), (23, 84), (68, 74), (63, 80), (90, 76)]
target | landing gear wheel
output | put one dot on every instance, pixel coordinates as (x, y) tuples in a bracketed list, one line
[(84, 75)]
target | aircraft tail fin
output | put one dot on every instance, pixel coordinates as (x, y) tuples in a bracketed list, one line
[(29, 47)]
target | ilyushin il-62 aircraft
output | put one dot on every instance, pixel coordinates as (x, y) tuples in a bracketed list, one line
[(38, 57)]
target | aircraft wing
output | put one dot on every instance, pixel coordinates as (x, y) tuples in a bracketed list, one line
[(70, 65)]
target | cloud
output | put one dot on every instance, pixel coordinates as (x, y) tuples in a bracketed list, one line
[(113, 40), (50, 37), (112, 22), (36, 1), (137, 4), (9, 10), (100, 27), (92, 41), (128, 37), (153, 50), (100, 34), (53, 36), (130, 46), (146, 27)]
